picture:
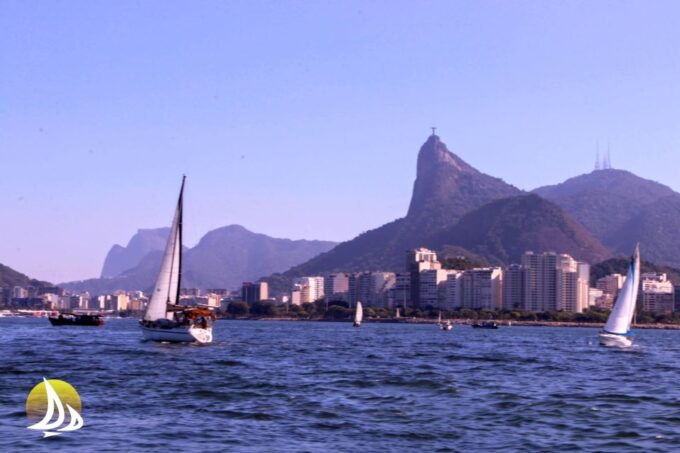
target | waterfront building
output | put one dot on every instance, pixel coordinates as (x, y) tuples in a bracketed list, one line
[(118, 302), (296, 295), (513, 287), (19, 292), (433, 287), (400, 294), (482, 288), (418, 260), (452, 299), (658, 293), (311, 288), (193, 292), (254, 292), (611, 284), (554, 282), (336, 286)]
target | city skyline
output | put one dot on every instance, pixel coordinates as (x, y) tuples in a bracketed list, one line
[(106, 105)]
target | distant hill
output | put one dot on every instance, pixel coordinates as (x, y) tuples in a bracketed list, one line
[(120, 259), (621, 209), (446, 188), (223, 258), (503, 230), (657, 228), (9, 278)]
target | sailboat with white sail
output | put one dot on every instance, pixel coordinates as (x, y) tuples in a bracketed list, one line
[(165, 319), (444, 325), (616, 332), (358, 315), (51, 426)]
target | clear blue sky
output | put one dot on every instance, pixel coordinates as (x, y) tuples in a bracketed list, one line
[(303, 119)]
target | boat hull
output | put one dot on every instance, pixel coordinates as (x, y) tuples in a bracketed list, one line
[(180, 334), (90, 321), (611, 340), (357, 324), (446, 327)]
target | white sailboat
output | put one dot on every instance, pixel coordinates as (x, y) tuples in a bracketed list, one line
[(616, 332), (164, 319), (358, 315), (47, 424), (446, 326)]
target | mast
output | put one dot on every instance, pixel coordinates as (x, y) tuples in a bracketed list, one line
[(180, 211)]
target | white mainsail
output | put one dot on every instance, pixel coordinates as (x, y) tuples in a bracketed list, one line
[(359, 314), (166, 291), (621, 317)]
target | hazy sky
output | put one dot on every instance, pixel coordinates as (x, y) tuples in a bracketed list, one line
[(303, 119)]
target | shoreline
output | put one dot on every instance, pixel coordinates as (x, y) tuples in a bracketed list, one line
[(458, 322)]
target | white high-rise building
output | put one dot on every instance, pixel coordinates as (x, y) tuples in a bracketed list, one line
[(554, 282), (658, 293), (433, 287), (311, 288), (482, 288), (453, 290)]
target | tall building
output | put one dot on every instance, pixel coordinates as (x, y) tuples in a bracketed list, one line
[(254, 292), (453, 299), (658, 293), (371, 288), (400, 294), (482, 288), (336, 286), (419, 260), (311, 288), (611, 284), (513, 287), (433, 287), (572, 285), (554, 282)]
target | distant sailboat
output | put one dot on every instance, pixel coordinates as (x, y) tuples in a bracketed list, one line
[(616, 332), (46, 425), (444, 325), (164, 319), (358, 315)]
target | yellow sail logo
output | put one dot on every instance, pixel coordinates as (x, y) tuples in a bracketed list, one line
[(55, 407)]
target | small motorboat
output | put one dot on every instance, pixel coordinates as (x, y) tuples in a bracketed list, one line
[(485, 325), (446, 326), (72, 319)]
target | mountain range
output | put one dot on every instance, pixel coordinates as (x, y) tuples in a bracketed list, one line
[(622, 209), (455, 209), (223, 258), (9, 278)]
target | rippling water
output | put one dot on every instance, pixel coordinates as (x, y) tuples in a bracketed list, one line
[(306, 386)]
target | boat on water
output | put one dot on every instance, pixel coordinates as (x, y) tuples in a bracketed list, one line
[(358, 315), (485, 325), (73, 319), (616, 332), (444, 325), (165, 319)]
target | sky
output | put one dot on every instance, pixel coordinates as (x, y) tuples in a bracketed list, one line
[(303, 119)]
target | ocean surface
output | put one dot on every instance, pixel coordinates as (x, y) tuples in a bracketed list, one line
[(316, 386)]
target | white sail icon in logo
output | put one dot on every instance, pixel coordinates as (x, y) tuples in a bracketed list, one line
[(49, 422)]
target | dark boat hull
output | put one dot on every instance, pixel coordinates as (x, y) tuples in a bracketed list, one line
[(90, 321)]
